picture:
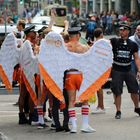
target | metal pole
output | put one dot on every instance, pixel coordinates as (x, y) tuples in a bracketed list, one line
[(80, 1), (62, 2), (5, 22)]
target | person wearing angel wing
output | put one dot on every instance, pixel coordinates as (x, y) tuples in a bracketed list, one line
[(27, 60), (9, 57), (98, 33), (95, 64), (29, 65), (73, 80)]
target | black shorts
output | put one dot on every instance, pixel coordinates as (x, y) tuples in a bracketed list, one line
[(117, 82)]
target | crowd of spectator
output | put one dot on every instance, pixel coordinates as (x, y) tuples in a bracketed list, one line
[(12, 17)]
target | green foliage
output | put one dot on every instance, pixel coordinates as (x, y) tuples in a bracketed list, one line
[(75, 3)]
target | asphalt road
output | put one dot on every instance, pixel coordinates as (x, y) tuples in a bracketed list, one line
[(108, 128)]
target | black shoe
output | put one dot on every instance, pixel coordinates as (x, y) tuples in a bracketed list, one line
[(137, 110), (78, 104), (16, 104), (118, 115), (23, 119), (42, 126), (59, 129), (66, 128), (15, 84)]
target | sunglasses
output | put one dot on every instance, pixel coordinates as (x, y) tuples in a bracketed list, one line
[(123, 30)]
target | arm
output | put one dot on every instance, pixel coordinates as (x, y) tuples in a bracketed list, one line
[(51, 23), (66, 26), (137, 60)]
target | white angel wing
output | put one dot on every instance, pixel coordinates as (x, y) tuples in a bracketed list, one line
[(9, 56), (94, 64), (96, 68), (29, 64)]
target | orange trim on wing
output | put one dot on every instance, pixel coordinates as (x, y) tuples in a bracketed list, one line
[(5, 79), (50, 84), (95, 86), (44, 93), (30, 90)]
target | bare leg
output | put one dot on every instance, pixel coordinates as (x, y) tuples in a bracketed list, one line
[(117, 102), (135, 99), (100, 99), (72, 98)]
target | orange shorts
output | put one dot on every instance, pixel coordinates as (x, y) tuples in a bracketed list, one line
[(73, 80)]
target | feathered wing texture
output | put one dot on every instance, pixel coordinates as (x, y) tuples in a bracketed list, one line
[(9, 56), (29, 64), (95, 65)]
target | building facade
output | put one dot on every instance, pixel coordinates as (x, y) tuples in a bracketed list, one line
[(121, 6)]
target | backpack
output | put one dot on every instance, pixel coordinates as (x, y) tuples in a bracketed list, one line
[(91, 26)]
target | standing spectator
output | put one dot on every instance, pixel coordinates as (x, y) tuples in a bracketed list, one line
[(136, 39), (123, 49), (15, 17), (109, 23), (100, 107), (9, 20), (91, 25), (103, 21)]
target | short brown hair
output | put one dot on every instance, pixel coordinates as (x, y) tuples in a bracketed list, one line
[(98, 32), (22, 22)]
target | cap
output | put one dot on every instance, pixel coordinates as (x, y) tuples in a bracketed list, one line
[(29, 29), (124, 27), (92, 15), (42, 29), (74, 30)]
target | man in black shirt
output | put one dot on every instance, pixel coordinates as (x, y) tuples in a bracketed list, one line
[(123, 49)]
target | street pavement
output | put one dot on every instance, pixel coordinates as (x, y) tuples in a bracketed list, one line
[(107, 127)]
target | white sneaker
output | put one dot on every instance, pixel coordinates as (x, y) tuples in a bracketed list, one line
[(87, 129), (98, 111), (34, 123), (47, 119), (73, 130)]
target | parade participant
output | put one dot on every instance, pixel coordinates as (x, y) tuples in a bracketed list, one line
[(41, 36), (20, 27), (72, 84), (24, 95), (20, 35), (123, 49), (33, 37), (24, 99), (98, 33), (57, 105), (58, 59)]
